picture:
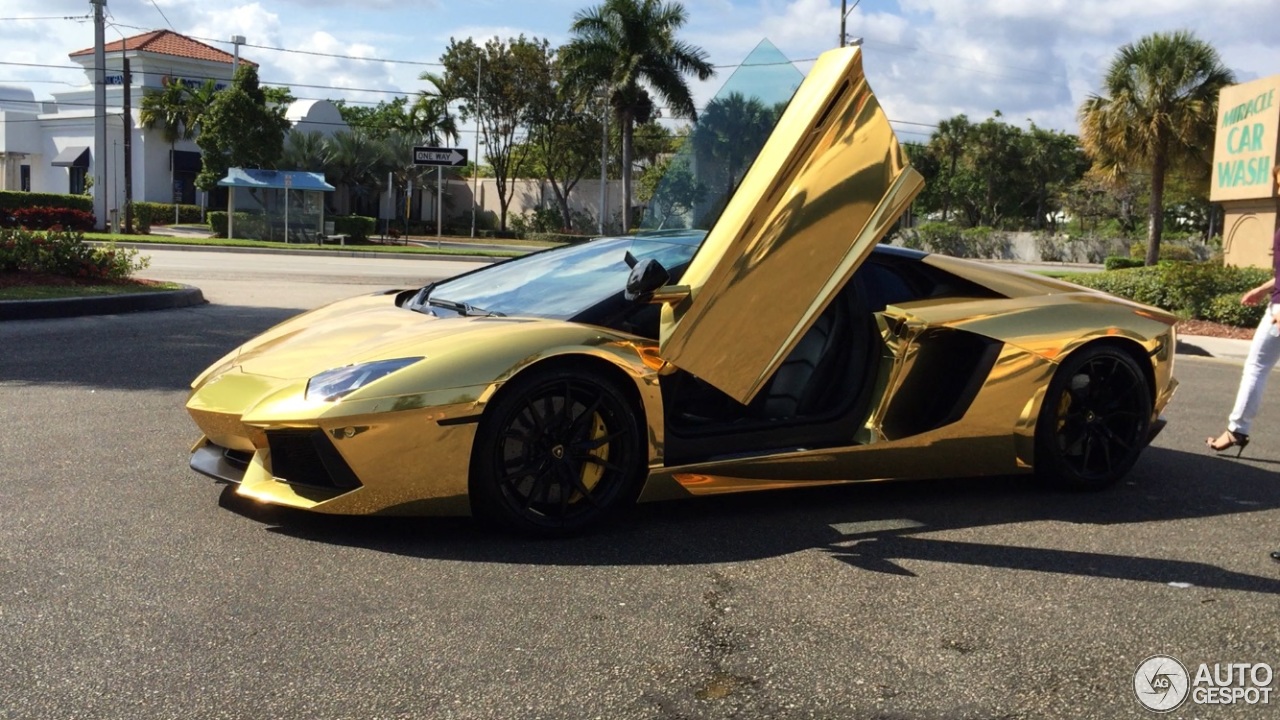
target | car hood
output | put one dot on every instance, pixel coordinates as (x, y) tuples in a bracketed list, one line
[(361, 330)]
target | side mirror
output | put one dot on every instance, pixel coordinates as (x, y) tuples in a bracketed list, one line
[(646, 276)]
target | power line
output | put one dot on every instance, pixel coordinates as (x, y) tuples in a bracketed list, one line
[(313, 53), (166, 17), (48, 17)]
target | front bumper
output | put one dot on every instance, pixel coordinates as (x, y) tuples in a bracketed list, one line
[(387, 456)]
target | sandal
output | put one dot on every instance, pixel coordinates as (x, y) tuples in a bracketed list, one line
[(1228, 440)]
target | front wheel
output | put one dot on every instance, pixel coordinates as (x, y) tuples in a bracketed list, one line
[(559, 451), (1094, 421)]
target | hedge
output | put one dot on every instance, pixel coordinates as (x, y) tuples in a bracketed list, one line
[(1119, 262), (43, 218), (12, 200), (249, 226), (146, 214), (356, 227), (1199, 291)]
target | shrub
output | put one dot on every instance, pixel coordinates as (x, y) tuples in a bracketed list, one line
[(64, 252), (356, 227), (43, 218), (146, 214), (538, 220), (12, 200), (1226, 309), (1188, 289), (1119, 262), (249, 226)]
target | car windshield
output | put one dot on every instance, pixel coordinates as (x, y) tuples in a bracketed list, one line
[(560, 283)]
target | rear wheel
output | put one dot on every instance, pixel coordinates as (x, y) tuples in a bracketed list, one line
[(559, 451), (1095, 420)]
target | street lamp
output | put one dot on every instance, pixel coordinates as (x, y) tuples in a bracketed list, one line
[(844, 13)]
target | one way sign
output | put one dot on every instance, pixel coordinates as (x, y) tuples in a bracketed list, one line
[(447, 157)]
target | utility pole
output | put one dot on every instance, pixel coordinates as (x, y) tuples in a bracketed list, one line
[(844, 14), (475, 168), (128, 145), (99, 114)]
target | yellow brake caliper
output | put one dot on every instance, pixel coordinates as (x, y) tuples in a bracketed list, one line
[(592, 472)]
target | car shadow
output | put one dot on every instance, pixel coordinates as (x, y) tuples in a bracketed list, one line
[(870, 526)]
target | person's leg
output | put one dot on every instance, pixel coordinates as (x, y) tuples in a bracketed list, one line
[(1263, 354)]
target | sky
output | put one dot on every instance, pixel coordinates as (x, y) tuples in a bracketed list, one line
[(927, 60)]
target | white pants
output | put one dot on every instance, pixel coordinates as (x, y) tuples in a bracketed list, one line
[(1263, 354)]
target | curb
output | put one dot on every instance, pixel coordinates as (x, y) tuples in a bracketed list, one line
[(187, 296)]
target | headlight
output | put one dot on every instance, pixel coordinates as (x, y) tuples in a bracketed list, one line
[(333, 384)]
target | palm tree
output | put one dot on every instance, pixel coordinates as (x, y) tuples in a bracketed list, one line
[(1159, 111), (358, 163), (732, 132), (307, 151), (949, 142), (629, 47), (171, 110), (430, 116)]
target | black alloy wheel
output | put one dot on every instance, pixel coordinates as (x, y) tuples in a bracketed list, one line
[(559, 451), (1094, 421)]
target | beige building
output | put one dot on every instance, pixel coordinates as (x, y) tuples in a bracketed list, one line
[(1245, 172)]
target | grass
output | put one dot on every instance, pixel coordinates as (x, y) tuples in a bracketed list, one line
[(54, 292)]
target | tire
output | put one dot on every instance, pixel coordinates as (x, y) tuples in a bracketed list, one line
[(1095, 420), (559, 451)]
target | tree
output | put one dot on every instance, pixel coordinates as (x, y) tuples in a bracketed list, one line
[(378, 122), (732, 132), (628, 47), (992, 164), (357, 164), (240, 130), (671, 190), (171, 110), (431, 120), (564, 136), (307, 151), (948, 144), (495, 84), (1158, 112), (1052, 162)]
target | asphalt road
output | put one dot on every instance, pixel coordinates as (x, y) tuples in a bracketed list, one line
[(130, 587), (293, 281)]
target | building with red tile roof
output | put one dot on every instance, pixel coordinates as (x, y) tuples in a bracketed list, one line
[(166, 42)]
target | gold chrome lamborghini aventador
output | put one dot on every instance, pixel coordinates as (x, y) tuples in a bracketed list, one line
[(783, 347)]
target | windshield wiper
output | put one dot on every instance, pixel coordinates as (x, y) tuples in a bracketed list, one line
[(463, 309)]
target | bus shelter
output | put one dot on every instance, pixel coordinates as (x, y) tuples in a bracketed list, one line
[(284, 205)]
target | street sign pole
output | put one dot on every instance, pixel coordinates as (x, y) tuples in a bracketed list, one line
[(440, 157), (288, 183)]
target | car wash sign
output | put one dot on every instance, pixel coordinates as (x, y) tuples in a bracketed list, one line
[(1244, 154)]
